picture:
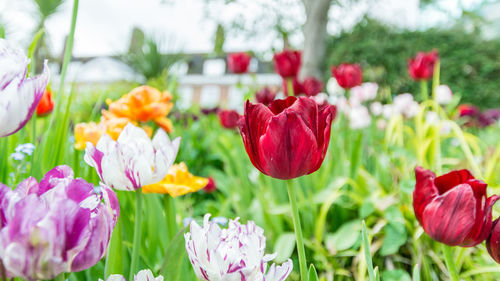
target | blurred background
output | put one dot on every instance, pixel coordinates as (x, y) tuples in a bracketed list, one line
[(186, 42)]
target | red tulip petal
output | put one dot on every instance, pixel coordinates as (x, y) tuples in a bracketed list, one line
[(493, 242), (452, 179), (288, 149), (307, 110), (450, 217), (483, 224), (252, 126), (424, 191), (277, 106), (325, 118)]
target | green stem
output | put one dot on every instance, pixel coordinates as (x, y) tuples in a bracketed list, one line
[(423, 90), (3, 159), (136, 244), (170, 216), (46, 141), (60, 277), (68, 49), (437, 149), (76, 162), (289, 85), (114, 256), (298, 231), (435, 79), (450, 263)]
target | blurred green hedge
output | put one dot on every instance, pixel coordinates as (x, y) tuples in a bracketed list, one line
[(470, 65)]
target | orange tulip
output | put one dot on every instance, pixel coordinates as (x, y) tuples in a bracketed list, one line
[(87, 132), (46, 104), (143, 104), (177, 182), (92, 132)]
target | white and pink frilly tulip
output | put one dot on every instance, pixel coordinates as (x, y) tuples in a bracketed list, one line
[(232, 254), (19, 95), (364, 92), (60, 224), (143, 275), (444, 95), (405, 105), (133, 160)]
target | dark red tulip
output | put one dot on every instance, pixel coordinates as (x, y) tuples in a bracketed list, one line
[(265, 95), (210, 187), (493, 242), (46, 104), (228, 118), (467, 110), (489, 117), (348, 75), (287, 63), (297, 87), (238, 62), (312, 86), (453, 208), (208, 111), (288, 138), (421, 67)]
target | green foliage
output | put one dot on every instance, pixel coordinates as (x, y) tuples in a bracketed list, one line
[(46, 8), (220, 38), (148, 59), (470, 65)]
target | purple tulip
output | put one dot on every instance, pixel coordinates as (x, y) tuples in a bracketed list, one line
[(61, 224), (19, 96)]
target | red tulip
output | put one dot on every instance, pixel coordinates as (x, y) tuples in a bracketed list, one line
[(238, 62), (228, 118), (210, 187), (467, 110), (348, 75), (46, 104), (289, 138), (297, 87), (287, 63), (312, 86), (453, 208), (493, 242), (422, 66), (265, 95)]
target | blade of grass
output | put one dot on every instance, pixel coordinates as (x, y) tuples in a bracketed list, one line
[(366, 249)]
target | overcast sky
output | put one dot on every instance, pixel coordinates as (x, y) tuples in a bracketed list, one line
[(104, 26)]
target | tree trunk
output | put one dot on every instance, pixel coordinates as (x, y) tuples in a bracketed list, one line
[(314, 37)]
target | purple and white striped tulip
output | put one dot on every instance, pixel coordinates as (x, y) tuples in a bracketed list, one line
[(143, 275), (61, 224), (232, 254), (133, 160), (19, 95)]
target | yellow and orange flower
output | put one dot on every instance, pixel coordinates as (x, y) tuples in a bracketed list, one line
[(177, 182), (87, 132), (92, 132), (143, 104)]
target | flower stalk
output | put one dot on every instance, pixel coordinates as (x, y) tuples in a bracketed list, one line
[(60, 277), (298, 231), (289, 85), (137, 234), (424, 92), (450, 263), (169, 205)]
